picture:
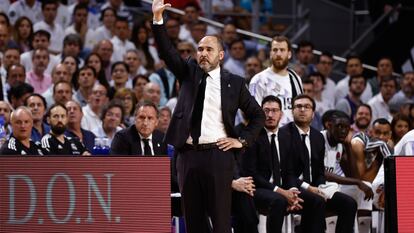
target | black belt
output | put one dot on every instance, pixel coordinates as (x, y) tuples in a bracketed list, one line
[(206, 146)]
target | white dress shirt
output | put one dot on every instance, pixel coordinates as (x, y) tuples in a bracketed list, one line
[(380, 109), (56, 32), (120, 48), (90, 120)]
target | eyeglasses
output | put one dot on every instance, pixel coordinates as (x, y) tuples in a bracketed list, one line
[(303, 106), (271, 110), (184, 50)]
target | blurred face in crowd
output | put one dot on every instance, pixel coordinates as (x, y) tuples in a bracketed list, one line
[(305, 55), (40, 60), (40, 42), (4, 36), (133, 61), (190, 14), (71, 49), (15, 75), (186, 50), (71, 63), (338, 129), (11, 57), (109, 18), (229, 33), (363, 117), (113, 118), (401, 128), (37, 107), (303, 112), (127, 102), (86, 78), (122, 30), (21, 123), (49, 13), (120, 75), (209, 53), (173, 28), (80, 16), (354, 67), (142, 35), (381, 132), (407, 85), (252, 66), (317, 83), (280, 55), (61, 73), (5, 111), (273, 114), (146, 120), (62, 93), (152, 93), (388, 89), (74, 113), (24, 29), (95, 62), (139, 88), (105, 50), (58, 120), (98, 97), (357, 86), (164, 121), (198, 31), (325, 65), (385, 67), (237, 51), (308, 89)]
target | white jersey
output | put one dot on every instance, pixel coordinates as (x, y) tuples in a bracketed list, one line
[(333, 156), (267, 83), (406, 145)]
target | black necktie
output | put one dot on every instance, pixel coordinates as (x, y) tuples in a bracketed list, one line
[(306, 171), (147, 148), (198, 111), (275, 161)]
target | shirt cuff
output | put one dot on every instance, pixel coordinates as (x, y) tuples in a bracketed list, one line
[(275, 189), (304, 185), (161, 22)]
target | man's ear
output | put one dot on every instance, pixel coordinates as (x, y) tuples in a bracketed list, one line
[(221, 55)]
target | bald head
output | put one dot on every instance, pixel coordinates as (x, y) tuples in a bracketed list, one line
[(22, 123), (152, 93)]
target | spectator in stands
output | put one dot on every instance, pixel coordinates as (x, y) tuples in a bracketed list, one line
[(93, 13), (352, 100), (198, 30), (119, 7), (127, 97), (49, 12), (18, 93), (324, 66), (406, 94), (173, 30), (15, 74), (164, 119), (37, 77), (143, 131), (304, 56), (59, 73), (166, 81), (121, 39), (278, 80), (37, 105), (191, 14), (62, 92), (309, 89), (56, 142), (252, 66), (72, 47), (362, 119), (186, 50), (105, 49), (152, 93), (11, 56), (106, 30), (86, 81), (400, 125), (5, 111), (19, 142), (140, 36), (30, 8), (91, 112), (94, 60), (133, 58), (72, 62), (353, 67), (384, 69), (5, 38), (23, 33), (235, 63), (80, 26), (74, 129), (41, 40), (119, 77), (379, 103), (111, 116), (139, 83), (322, 105)]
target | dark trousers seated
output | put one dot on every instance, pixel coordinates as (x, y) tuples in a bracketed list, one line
[(244, 213), (272, 204), (345, 208), (204, 177)]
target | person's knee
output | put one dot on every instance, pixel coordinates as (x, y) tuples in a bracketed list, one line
[(279, 204)]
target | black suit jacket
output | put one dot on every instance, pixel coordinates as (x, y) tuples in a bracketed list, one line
[(290, 148), (257, 162), (128, 142), (234, 95)]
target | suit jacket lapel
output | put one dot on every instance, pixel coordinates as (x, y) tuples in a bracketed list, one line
[(225, 94), (136, 147)]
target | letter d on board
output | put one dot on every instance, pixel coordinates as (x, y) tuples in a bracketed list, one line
[(12, 191)]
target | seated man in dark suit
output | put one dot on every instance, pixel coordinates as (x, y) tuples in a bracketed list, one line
[(263, 163), (304, 149), (141, 138)]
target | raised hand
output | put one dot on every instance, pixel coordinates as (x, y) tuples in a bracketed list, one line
[(158, 8)]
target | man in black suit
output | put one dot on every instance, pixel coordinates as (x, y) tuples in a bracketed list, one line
[(202, 127), (304, 149), (141, 138), (263, 163)]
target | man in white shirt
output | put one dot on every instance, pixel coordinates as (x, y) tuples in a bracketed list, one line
[(80, 26), (49, 11), (379, 103), (235, 63), (324, 66), (29, 8), (278, 80), (121, 40), (92, 110)]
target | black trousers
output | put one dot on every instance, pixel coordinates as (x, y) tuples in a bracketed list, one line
[(345, 207), (274, 205), (204, 178), (313, 213), (244, 213)]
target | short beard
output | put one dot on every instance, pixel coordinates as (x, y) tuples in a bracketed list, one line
[(361, 126), (278, 66), (58, 130)]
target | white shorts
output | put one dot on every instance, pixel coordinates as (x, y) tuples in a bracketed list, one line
[(358, 195)]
